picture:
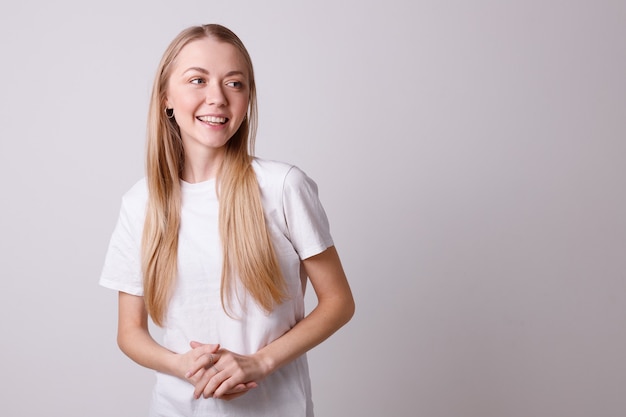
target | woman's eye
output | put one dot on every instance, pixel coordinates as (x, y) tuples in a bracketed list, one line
[(235, 84), (197, 81)]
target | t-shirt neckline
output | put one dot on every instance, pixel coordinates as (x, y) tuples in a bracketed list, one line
[(198, 186)]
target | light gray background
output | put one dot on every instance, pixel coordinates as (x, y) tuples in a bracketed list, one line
[(471, 156)]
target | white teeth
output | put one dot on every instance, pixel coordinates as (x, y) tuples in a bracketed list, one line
[(212, 119)]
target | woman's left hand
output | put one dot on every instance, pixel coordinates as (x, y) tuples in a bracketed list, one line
[(231, 376)]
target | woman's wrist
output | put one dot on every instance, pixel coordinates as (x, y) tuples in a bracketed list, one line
[(266, 362)]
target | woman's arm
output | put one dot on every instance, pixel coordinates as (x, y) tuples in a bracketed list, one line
[(134, 339), (335, 307)]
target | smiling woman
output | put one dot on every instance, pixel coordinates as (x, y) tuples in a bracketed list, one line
[(216, 246), (209, 100)]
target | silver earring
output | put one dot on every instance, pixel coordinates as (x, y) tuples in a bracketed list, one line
[(169, 113)]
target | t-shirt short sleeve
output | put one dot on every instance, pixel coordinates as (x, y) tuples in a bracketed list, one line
[(122, 265), (307, 223)]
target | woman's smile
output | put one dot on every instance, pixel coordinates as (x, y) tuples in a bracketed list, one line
[(213, 120)]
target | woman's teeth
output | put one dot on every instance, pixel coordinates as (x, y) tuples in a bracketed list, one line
[(212, 119)]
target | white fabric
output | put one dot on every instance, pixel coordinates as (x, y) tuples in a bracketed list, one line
[(299, 229)]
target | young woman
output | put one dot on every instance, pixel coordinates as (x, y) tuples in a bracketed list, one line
[(215, 246)]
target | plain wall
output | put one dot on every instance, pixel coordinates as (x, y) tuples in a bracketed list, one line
[(471, 156)]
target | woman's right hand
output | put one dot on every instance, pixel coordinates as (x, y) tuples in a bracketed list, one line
[(203, 357), (200, 356)]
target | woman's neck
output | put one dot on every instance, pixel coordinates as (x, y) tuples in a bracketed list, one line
[(202, 167)]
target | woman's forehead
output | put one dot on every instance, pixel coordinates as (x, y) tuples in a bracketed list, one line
[(211, 55)]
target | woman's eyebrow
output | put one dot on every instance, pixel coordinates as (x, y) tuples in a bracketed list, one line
[(235, 72), (204, 71), (198, 69)]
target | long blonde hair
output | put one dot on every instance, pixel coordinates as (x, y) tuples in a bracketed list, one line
[(248, 252)]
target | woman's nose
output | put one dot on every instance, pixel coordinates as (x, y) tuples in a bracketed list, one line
[(215, 95)]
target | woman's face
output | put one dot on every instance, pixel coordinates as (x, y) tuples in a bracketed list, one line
[(209, 91)]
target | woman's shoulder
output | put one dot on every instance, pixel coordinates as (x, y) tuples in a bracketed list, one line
[(277, 173), (270, 173), (137, 195), (270, 168)]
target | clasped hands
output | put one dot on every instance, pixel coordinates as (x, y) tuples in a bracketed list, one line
[(219, 373)]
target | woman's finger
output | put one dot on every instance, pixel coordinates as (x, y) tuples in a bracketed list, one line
[(204, 384), (205, 359)]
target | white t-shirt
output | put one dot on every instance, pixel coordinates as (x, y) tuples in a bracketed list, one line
[(299, 229)]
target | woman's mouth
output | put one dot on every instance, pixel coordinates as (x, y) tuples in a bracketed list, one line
[(213, 120)]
